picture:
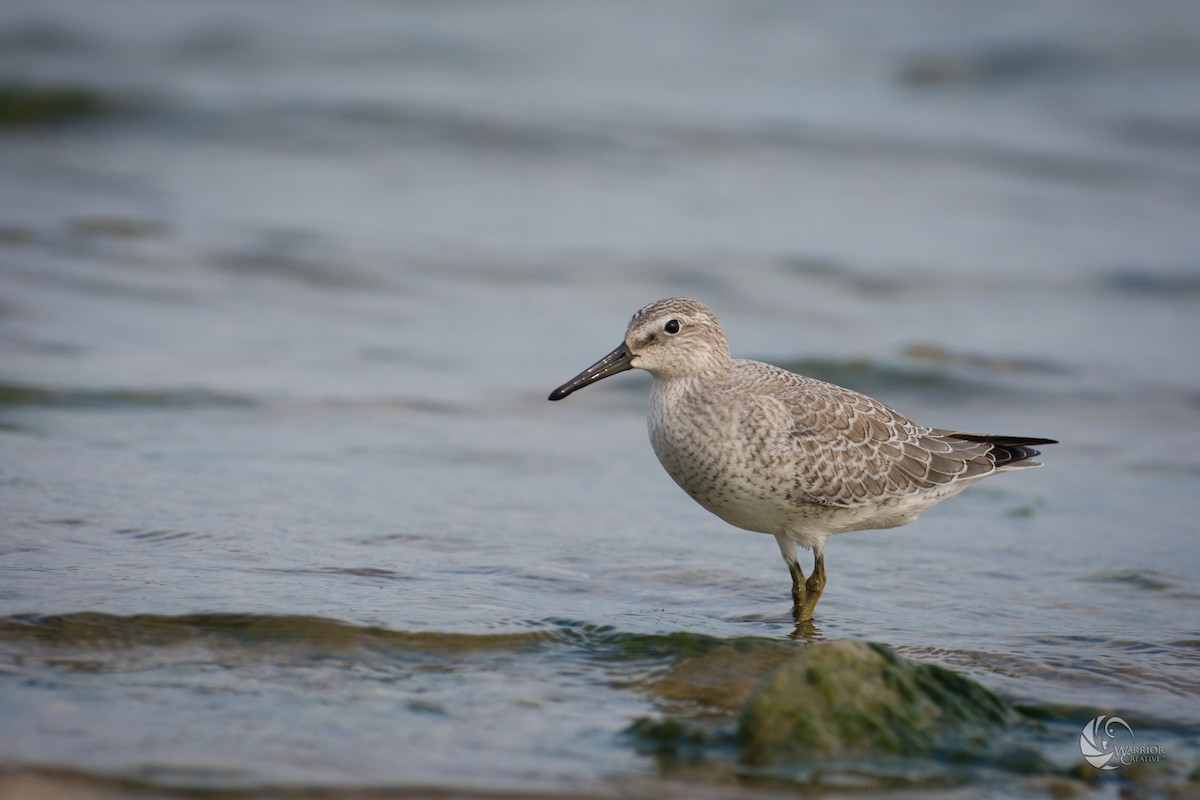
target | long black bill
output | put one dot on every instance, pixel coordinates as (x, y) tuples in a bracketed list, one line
[(619, 360)]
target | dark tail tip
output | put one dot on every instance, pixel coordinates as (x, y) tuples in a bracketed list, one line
[(1008, 451), (1003, 441)]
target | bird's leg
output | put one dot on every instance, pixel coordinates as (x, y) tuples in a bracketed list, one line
[(813, 586), (799, 587)]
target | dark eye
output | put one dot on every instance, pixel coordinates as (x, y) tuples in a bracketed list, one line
[(672, 326)]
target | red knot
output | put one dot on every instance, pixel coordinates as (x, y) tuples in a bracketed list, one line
[(771, 451)]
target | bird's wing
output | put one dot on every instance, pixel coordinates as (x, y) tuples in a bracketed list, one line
[(848, 449)]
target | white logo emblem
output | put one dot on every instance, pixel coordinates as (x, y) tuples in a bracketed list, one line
[(1098, 738)]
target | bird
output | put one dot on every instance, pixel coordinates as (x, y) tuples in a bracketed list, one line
[(771, 451)]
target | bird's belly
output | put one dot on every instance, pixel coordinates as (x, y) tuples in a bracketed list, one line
[(749, 513), (714, 479)]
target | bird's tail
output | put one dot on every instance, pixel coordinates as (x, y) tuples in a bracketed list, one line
[(1007, 452)]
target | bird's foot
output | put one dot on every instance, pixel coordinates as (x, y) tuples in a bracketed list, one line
[(803, 600)]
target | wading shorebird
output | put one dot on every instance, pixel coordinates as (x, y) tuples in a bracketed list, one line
[(771, 451)]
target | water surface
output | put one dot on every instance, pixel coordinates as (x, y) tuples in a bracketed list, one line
[(284, 287)]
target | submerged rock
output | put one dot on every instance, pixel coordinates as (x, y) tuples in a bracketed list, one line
[(846, 698)]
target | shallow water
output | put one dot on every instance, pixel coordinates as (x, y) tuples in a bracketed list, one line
[(284, 506)]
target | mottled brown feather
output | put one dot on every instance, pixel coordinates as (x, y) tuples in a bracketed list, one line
[(852, 450)]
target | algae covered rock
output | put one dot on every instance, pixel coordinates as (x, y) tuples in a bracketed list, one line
[(845, 698)]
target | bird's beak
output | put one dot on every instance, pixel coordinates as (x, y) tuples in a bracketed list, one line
[(619, 360)]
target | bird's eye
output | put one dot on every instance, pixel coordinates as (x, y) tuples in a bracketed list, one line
[(672, 326)]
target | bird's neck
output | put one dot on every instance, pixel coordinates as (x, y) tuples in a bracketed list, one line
[(671, 388)]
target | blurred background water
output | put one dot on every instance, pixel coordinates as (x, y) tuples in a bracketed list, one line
[(284, 285)]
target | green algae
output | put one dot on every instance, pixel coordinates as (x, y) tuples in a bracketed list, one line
[(848, 698)]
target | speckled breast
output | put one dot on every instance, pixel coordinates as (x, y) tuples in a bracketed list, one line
[(716, 469)]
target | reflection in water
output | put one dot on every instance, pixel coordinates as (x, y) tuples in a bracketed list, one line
[(807, 630)]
